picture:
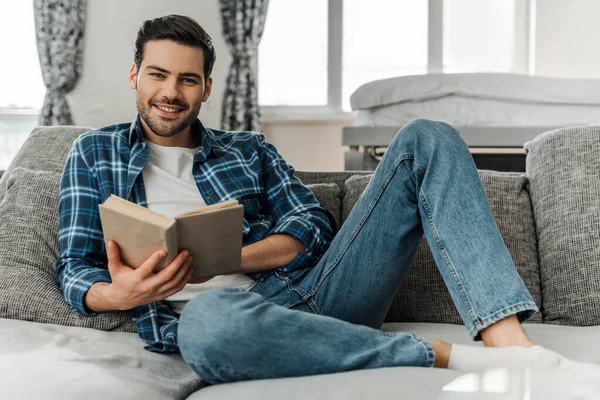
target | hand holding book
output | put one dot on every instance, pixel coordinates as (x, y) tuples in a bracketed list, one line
[(130, 288), (211, 234)]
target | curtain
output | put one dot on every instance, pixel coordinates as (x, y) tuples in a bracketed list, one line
[(59, 26), (243, 24)]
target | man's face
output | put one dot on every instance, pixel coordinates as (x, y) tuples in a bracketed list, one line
[(170, 86)]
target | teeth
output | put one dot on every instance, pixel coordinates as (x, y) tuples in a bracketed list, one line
[(168, 109)]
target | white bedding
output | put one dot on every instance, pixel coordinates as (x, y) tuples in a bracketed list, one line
[(478, 99)]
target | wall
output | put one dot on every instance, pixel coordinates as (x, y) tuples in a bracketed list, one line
[(103, 96), (309, 145), (567, 38)]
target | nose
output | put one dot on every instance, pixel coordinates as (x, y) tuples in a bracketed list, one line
[(170, 88)]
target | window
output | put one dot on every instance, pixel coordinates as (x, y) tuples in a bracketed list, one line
[(21, 86), (479, 36), (293, 54), (315, 53)]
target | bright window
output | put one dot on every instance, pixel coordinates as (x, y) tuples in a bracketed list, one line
[(21, 87), (292, 62), (379, 45), (479, 36)]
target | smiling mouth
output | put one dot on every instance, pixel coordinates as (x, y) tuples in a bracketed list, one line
[(168, 109)]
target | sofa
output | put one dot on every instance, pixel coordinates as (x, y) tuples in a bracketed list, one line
[(549, 218)]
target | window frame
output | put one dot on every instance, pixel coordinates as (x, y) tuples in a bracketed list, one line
[(524, 59)]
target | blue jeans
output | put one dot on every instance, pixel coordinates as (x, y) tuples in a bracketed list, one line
[(325, 319)]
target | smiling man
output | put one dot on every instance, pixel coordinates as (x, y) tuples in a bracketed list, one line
[(308, 303)]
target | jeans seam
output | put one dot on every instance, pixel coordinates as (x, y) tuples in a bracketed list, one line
[(449, 264), (291, 287), (335, 262)]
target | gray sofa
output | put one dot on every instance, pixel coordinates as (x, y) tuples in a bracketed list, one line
[(549, 219)]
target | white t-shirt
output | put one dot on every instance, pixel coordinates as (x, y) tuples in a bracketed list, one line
[(170, 190)]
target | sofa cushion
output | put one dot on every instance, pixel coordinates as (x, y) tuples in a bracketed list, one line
[(45, 149), (563, 169), (329, 195), (423, 296), (28, 252)]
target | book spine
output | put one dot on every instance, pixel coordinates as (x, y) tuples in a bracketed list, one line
[(170, 245)]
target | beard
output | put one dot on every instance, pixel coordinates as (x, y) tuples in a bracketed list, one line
[(162, 126)]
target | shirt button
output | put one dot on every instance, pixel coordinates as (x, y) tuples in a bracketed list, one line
[(208, 197), (258, 275)]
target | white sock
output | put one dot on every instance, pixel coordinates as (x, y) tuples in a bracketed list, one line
[(474, 358), (571, 364)]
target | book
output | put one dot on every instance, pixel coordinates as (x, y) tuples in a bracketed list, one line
[(212, 234)]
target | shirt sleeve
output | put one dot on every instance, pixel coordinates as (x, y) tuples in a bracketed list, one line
[(82, 261), (294, 207)]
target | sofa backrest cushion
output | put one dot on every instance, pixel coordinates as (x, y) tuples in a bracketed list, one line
[(45, 149), (563, 167), (423, 296), (329, 195), (28, 252)]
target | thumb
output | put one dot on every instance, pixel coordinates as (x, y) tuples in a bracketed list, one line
[(114, 255)]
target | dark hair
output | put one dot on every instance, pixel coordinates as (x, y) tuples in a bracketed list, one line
[(180, 29)]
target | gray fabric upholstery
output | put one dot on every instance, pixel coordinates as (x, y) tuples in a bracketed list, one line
[(45, 149), (563, 168), (329, 195), (423, 296), (1, 173), (28, 252)]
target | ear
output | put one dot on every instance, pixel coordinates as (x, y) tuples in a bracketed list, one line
[(133, 76), (207, 89)]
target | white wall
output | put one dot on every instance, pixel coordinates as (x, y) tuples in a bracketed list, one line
[(309, 145), (568, 38), (102, 96)]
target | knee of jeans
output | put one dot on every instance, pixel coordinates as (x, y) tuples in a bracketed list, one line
[(211, 326), (428, 134)]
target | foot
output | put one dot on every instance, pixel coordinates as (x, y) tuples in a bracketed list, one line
[(475, 359)]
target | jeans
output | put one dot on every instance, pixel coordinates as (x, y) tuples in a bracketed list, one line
[(325, 319)]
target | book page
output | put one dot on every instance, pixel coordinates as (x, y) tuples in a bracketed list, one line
[(126, 207), (211, 208)]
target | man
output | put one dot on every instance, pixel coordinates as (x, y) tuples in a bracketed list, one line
[(309, 303)]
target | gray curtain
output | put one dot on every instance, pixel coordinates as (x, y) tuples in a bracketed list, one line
[(59, 26), (243, 24)]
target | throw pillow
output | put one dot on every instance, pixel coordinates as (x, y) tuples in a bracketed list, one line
[(423, 296), (563, 169), (28, 252), (45, 149)]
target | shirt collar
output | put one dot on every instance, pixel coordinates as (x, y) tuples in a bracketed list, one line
[(136, 135)]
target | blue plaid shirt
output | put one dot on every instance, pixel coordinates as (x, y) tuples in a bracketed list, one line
[(228, 165)]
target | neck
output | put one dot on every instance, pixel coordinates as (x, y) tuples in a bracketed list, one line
[(181, 139)]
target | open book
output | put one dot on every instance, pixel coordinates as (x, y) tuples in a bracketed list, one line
[(212, 234)]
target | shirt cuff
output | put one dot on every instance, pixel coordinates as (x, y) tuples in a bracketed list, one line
[(80, 289)]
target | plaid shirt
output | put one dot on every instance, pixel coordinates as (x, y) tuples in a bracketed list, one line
[(228, 165)]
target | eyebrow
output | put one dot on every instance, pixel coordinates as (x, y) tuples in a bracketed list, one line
[(184, 74)]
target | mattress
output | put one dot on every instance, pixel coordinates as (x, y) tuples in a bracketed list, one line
[(478, 99)]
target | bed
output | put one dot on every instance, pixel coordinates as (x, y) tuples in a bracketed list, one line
[(495, 113)]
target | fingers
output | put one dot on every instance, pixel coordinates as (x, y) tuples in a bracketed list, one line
[(168, 273), (181, 278), (147, 268)]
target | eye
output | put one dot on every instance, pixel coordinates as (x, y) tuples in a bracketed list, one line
[(188, 81), (157, 75)]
